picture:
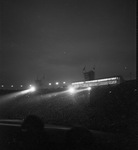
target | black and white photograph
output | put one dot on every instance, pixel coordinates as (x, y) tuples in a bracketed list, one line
[(68, 75)]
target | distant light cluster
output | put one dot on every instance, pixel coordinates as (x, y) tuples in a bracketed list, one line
[(57, 83), (23, 86)]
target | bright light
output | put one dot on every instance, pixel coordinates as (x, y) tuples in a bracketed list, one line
[(21, 85), (89, 88), (64, 82), (57, 83), (32, 89), (30, 85), (11, 85), (49, 84), (72, 90), (2, 86)]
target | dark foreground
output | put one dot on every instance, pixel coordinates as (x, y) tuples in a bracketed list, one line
[(110, 112)]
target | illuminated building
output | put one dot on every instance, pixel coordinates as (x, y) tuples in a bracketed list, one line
[(99, 82)]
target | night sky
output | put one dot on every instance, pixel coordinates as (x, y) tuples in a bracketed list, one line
[(58, 38)]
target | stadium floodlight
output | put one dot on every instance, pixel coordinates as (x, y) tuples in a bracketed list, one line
[(89, 88), (72, 90), (32, 89)]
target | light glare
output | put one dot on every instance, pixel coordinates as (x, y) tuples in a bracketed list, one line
[(32, 89), (89, 88), (72, 90)]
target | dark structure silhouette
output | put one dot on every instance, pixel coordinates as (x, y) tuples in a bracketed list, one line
[(32, 135), (79, 138), (89, 75), (33, 123)]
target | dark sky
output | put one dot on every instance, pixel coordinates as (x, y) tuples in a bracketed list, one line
[(58, 38)]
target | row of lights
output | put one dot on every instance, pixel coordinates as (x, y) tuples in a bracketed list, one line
[(57, 83), (11, 86)]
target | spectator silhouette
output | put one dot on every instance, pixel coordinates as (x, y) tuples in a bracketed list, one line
[(32, 136), (33, 124)]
